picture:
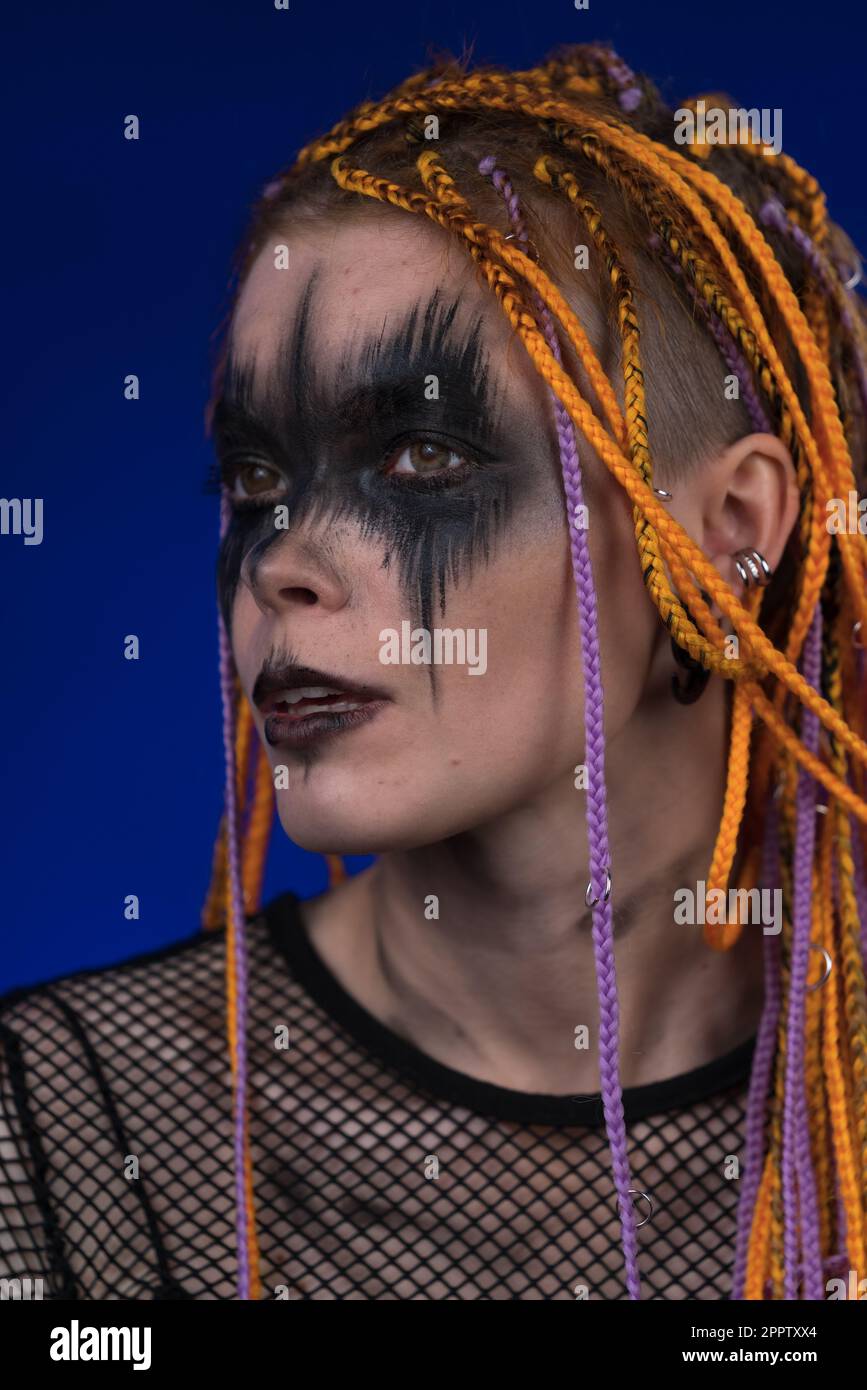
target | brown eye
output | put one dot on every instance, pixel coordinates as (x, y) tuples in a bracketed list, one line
[(254, 479), (424, 457)]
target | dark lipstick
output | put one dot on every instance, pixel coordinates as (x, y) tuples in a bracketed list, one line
[(302, 704)]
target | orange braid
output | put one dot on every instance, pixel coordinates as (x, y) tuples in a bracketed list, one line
[(255, 845), (708, 229), (814, 1086), (336, 870), (760, 1237), (841, 1121), (656, 156), (213, 913), (722, 936), (583, 417)]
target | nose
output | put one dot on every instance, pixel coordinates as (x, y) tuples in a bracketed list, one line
[(295, 571)]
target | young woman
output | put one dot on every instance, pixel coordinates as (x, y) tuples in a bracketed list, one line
[(529, 425)]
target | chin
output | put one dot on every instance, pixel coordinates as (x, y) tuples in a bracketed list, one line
[(367, 814), (337, 832)]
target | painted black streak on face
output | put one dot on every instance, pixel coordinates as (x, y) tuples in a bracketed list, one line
[(328, 434)]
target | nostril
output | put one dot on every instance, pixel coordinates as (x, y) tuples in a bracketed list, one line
[(301, 595)]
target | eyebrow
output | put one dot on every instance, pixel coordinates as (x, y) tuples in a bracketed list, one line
[(382, 375)]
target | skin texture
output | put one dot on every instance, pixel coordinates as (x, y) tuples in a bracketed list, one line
[(464, 785)]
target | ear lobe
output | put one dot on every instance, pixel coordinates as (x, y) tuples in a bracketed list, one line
[(751, 505)]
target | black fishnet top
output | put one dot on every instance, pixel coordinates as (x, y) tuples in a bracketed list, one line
[(379, 1173)]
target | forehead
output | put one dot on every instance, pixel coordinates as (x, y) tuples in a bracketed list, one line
[(352, 278)]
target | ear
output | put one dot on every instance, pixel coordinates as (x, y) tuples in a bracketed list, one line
[(745, 497)]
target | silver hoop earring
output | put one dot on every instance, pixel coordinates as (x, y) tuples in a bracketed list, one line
[(753, 568)]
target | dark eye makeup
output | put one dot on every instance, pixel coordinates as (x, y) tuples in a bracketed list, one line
[(405, 432), (247, 491)]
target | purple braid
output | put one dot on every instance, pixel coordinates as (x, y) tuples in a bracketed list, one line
[(773, 214), (763, 1062), (799, 1183), (597, 821), (236, 908), (629, 93), (840, 1205)]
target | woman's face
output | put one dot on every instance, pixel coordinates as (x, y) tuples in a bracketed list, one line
[(393, 457)]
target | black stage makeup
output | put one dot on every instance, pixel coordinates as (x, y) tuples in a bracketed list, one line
[(330, 438)]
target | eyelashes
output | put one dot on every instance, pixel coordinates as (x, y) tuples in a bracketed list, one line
[(240, 473), (410, 462), (434, 527), (410, 468)]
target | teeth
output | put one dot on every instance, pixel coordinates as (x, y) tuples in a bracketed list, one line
[(339, 707), (305, 692)]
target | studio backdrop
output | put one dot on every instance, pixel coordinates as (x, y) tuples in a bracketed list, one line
[(117, 260)]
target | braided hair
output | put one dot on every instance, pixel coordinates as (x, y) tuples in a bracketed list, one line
[(704, 255)]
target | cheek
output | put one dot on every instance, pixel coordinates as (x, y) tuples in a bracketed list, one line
[(528, 704), (627, 617)]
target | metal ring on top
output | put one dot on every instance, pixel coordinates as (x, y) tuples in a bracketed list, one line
[(855, 642), (633, 1192), (530, 249), (829, 966), (594, 901), (857, 275)]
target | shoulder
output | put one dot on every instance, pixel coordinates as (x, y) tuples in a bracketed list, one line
[(108, 1078), (78, 1059), (150, 995), (103, 1001), (181, 984), (158, 1017), (150, 1005)]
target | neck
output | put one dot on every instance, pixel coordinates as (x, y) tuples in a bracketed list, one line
[(479, 948)]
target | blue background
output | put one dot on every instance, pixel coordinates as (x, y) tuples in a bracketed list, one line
[(117, 260)]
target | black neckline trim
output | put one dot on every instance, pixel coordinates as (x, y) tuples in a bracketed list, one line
[(289, 935)]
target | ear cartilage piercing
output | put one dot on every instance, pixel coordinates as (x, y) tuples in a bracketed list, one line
[(530, 249), (753, 568)]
